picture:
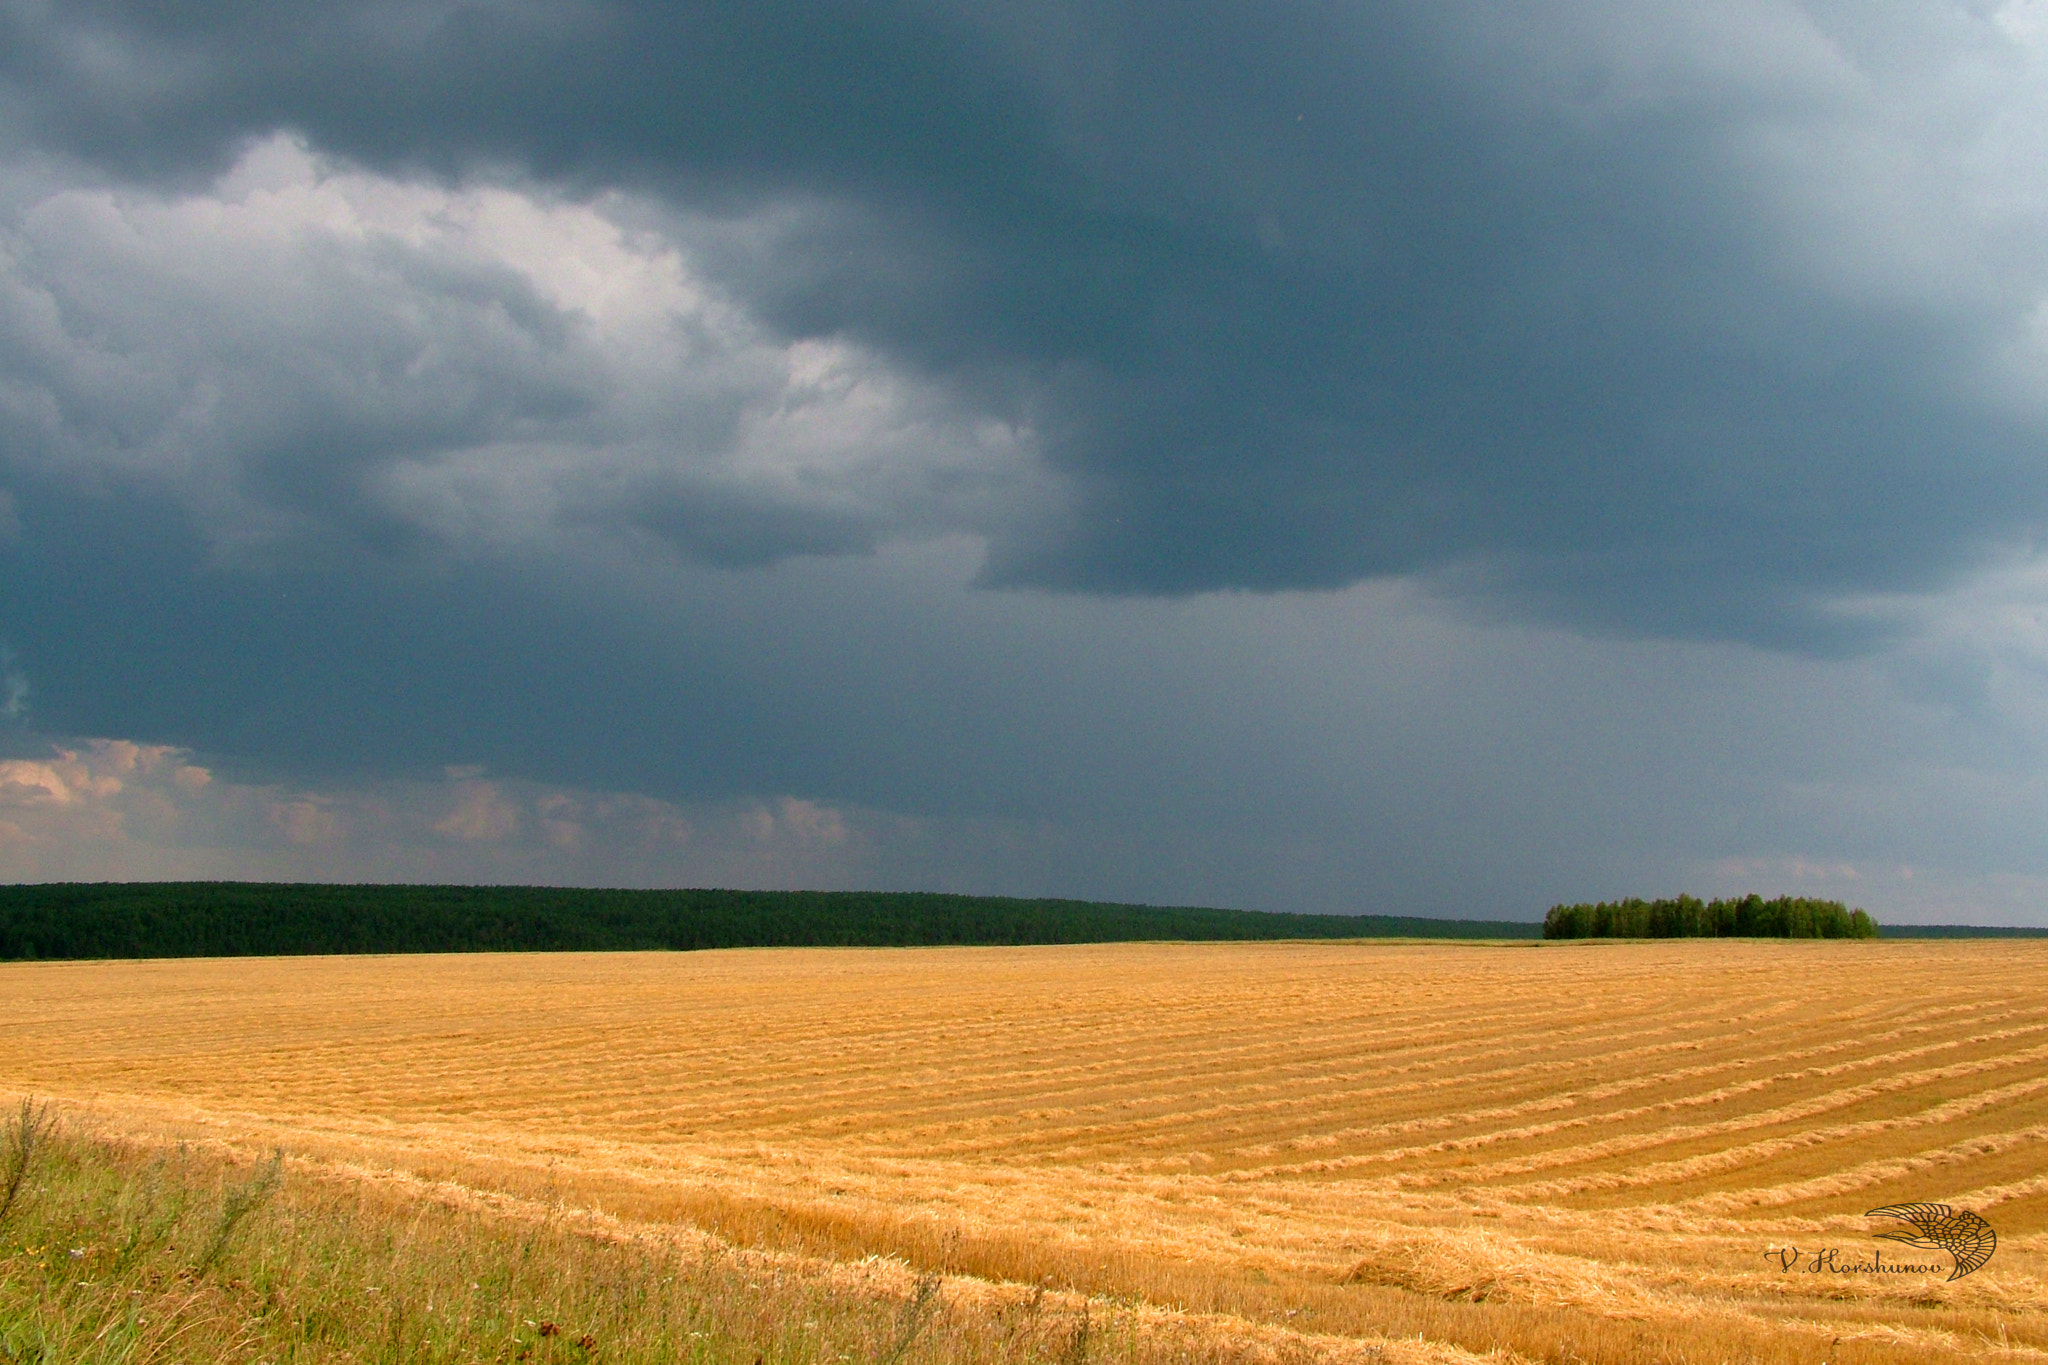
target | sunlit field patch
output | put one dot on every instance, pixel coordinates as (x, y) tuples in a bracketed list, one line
[(1593, 1151)]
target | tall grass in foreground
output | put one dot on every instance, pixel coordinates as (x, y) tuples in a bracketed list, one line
[(110, 1253)]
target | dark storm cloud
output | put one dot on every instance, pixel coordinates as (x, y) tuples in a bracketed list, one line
[(492, 441), (1293, 294)]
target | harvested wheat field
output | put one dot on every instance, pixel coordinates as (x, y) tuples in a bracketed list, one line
[(1562, 1152)]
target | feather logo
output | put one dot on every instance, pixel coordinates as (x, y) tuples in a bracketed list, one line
[(1937, 1227)]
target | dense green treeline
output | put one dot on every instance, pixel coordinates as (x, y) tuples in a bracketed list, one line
[(1690, 917), (230, 919)]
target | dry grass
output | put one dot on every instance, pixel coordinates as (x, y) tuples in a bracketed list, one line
[(1559, 1152), (127, 1256)]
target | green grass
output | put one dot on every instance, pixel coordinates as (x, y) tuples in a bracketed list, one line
[(113, 1253)]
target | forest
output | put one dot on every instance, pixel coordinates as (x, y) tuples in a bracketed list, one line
[(236, 919)]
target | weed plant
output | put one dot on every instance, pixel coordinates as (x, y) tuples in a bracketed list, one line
[(115, 1255)]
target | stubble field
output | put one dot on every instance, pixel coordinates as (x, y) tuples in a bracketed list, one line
[(1551, 1152)]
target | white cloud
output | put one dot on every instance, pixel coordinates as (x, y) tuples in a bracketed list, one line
[(306, 821), (108, 808), (80, 778), (481, 815), (306, 350), (802, 822)]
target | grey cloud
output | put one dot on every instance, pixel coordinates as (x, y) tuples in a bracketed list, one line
[(311, 358), (628, 399), (714, 526), (1351, 751), (1654, 318), (245, 369)]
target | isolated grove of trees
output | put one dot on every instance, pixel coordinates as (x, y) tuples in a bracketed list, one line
[(1689, 917)]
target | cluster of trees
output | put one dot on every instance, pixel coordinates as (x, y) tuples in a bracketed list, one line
[(230, 919), (1689, 917)]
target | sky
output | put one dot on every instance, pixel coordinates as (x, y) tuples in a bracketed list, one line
[(1411, 458)]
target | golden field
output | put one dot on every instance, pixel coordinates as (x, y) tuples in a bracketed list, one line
[(1560, 1152)]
